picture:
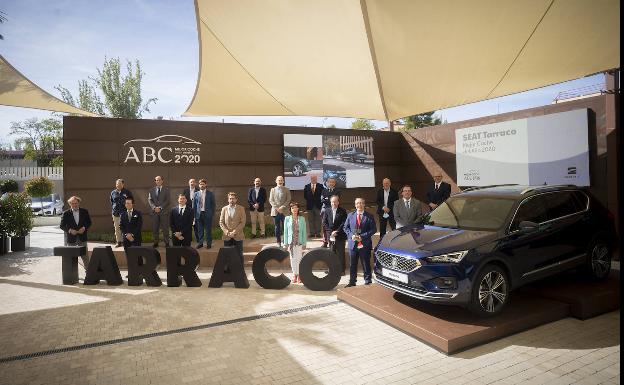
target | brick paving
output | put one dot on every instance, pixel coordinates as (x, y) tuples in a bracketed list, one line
[(333, 344)]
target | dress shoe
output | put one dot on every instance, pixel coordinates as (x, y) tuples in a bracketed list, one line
[(367, 283), (155, 245), (350, 284), (324, 245), (200, 246), (209, 246), (119, 244)]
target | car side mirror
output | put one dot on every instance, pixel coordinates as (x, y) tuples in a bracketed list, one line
[(528, 226)]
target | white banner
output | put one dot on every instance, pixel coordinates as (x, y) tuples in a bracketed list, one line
[(550, 149)]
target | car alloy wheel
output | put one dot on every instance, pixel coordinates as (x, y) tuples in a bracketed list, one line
[(493, 292), (600, 260), (297, 169)]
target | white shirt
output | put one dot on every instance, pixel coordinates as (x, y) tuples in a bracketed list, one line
[(76, 213), (334, 215), (231, 210), (202, 200), (181, 209), (386, 195), (407, 203), (437, 186), (192, 193)]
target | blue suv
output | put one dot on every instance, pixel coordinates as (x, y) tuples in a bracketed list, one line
[(480, 244)]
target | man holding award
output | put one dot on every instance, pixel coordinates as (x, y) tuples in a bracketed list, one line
[(360, 227)]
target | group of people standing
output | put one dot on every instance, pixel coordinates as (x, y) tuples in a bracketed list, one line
[(326, 218)]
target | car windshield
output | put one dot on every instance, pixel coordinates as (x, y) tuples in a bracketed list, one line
[(472, 213)]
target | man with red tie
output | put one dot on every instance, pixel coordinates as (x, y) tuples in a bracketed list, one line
[(360, 227)]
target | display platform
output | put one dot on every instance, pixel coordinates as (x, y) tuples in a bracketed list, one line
[(451, 329), (586, 299)]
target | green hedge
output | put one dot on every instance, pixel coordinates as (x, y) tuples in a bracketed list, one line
[(146, 235)]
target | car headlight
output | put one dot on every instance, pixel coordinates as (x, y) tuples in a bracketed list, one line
[(454, 257)]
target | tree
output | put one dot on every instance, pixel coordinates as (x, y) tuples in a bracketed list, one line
[(121, 92), (362, 124), (2, 20), (422, 120), (38, 138), (39, 187)]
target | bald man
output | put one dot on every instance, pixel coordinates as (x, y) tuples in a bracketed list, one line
[(386, 196), (312, 194)]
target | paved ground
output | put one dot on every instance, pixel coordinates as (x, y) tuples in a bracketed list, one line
[(123, 335)]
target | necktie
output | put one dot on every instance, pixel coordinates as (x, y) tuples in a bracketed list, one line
[(437, 186), (407, 204), (358, 220), (129, 214), (157, 192), (181, 211)]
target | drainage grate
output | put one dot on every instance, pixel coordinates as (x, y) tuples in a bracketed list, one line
[(163, 333)]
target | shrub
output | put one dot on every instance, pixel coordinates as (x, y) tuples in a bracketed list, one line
[(16, 215), (39, 187), (8, 186)]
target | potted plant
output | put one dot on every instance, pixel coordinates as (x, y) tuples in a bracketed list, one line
[(39, 187), (17, 220)]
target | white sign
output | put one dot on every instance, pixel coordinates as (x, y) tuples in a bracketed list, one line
[(549, 149), (163, 149)]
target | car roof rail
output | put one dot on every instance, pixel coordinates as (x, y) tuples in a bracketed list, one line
[(490, 186), (546, 187)]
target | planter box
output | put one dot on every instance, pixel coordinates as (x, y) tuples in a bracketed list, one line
[(5, 245), (20, 243)]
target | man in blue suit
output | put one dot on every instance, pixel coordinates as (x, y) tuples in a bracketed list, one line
[(360, 227), (181, 222), (204, 207), (130, 224)]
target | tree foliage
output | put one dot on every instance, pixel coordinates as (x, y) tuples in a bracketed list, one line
[(362, 124), (422, 120), (38, 187), (3, 18), (120, 93), (15, 215), (38, 138)]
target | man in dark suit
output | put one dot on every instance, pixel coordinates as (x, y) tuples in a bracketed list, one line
[(257, 198), (438, 192), (130, 223), (360, 227), (189, 192), (75, 223), (312, 194), (158, 200), (333, 221), (385, 202), (181, 222), (326, 195), (204, 207), (118, 200)]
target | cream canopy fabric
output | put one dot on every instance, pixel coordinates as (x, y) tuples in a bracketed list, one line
[(16, 90), (386, 59)]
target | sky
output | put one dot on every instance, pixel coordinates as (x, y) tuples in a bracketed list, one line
[(63, 41)]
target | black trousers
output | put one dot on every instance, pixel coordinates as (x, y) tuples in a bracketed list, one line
[(363, 255), (383, 222), (338, 247)]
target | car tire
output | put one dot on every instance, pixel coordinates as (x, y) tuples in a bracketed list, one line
[(54, 212), (598, 263), (297, 169), (490, 291)]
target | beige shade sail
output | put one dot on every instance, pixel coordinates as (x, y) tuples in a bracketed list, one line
[(387, 59), (17, 91)]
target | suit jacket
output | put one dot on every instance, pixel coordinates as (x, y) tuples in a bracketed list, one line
[(209, 203), (440, 195), (404, 216), (326, 196), (368, 228), (336, 224), (182, 223), (288, 230), (313, 200), (277, 203), (235, 223), (188, 195), (393, 195), (162, 200), (131, 226), (69, 223), (260, 199)]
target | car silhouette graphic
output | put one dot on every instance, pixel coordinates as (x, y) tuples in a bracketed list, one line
[(166, 139)]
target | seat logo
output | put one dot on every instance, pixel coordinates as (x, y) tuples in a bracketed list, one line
[(395, 262)]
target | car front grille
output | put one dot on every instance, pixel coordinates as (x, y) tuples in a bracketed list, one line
[(397, 262)]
